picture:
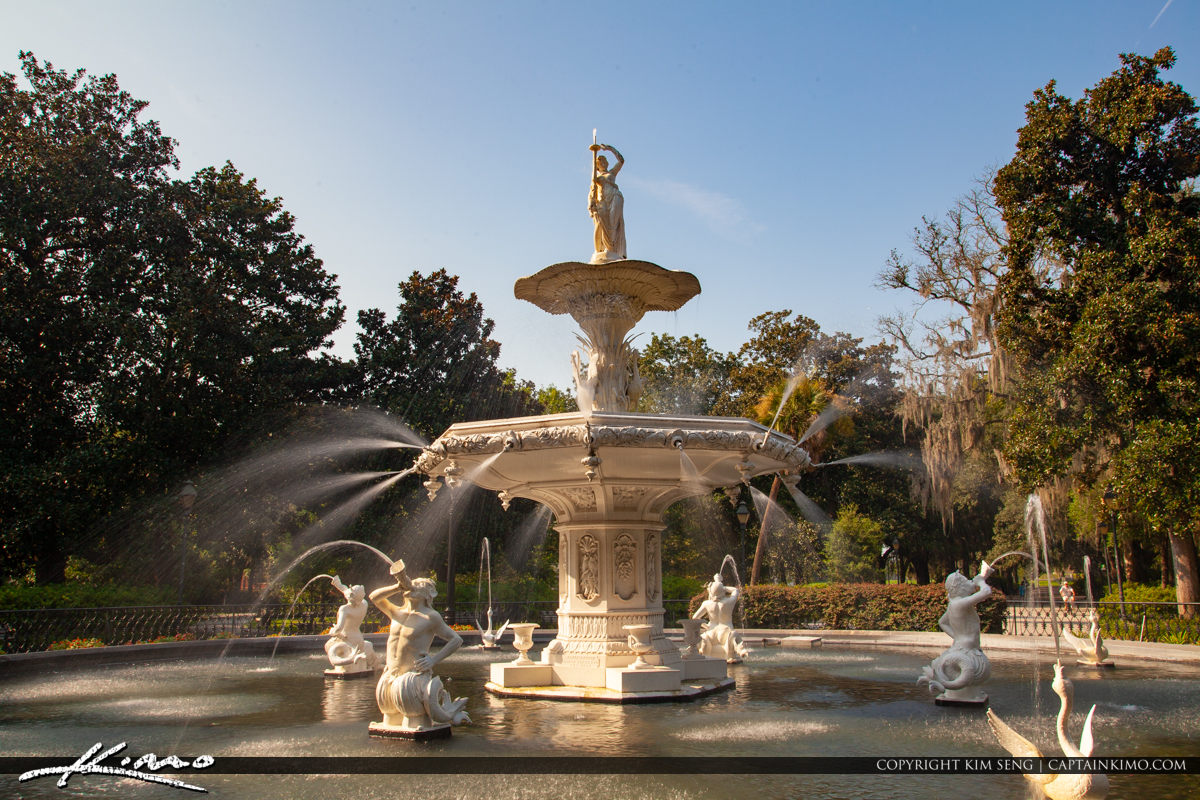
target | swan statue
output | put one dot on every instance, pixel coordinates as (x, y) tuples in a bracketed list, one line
[(1060, 786), (1092, 652), (489, 638)]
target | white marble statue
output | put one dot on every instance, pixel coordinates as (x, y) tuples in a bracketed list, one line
[(607, 207), (1092, 652), (349, 653), (719, 639), (411, 698), (1057, 786), (955, 675)]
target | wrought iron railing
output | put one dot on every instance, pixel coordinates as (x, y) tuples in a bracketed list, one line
[(26, 630), (1131, 621)]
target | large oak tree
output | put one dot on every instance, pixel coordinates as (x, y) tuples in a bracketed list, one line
[(1107, 352), (144, 319)]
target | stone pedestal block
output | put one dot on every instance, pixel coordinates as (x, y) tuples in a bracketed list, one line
[(703, 669), (509, 674), (652, 679)]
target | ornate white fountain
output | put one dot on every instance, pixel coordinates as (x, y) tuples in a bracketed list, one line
[(608, 474)]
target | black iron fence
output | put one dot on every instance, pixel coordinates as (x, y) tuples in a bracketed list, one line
[(1173, 623), (26, 630)]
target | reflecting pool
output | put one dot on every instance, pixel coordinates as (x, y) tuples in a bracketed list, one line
[(788, 703)]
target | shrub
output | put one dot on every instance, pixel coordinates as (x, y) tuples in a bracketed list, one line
[(677, 587), (1141, 593), (75, 595), (179, 637), (856, 606), (852, 546), (76, 643)]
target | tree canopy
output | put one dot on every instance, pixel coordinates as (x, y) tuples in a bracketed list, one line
[(434, 363), (143, 318), (1107, 349)]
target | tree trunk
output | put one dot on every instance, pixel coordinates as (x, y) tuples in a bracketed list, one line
[(761, 548), (1167, 577), (1187, 577), (1136, 559), (920, 565)]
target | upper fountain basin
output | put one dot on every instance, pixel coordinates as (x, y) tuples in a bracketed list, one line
[(573, 287), (609, 465)]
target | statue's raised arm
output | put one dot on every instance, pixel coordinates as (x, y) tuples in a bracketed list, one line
[(620, 159)]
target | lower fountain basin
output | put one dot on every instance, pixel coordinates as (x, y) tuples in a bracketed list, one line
[(786, 703)]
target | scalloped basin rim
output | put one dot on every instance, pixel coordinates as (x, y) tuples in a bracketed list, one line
[(558, 288), (634, 449)]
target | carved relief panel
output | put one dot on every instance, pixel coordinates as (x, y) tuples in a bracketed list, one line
[(564, 567), (653, 578), (624, 571), (582, 498), (627, 498), (588, 559)]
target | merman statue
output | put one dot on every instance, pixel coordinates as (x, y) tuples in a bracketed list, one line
[(350, 655), (413, 701), (719, 639), (955, 675)]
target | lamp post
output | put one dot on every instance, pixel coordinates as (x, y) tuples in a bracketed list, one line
[(452, 482), (743, 516), (186, 498), (1109, 501)]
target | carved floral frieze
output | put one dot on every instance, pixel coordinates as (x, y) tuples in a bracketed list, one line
[(653, 579), (583, 499), (628, 498), (588, 548), (624, 574)]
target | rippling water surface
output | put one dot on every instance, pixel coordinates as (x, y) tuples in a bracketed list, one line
[(791, 703)]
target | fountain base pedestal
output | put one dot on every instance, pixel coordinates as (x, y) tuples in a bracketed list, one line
[(979, 700), (1096, 664), (687, 690), (341, 674), (385, 731)]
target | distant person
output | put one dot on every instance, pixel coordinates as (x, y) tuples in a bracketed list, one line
[(1068, 595)]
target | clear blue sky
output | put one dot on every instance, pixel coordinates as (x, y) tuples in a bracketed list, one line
[(778, 151)]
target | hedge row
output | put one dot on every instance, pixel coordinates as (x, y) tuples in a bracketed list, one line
[(74, 595), (856, 606)]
